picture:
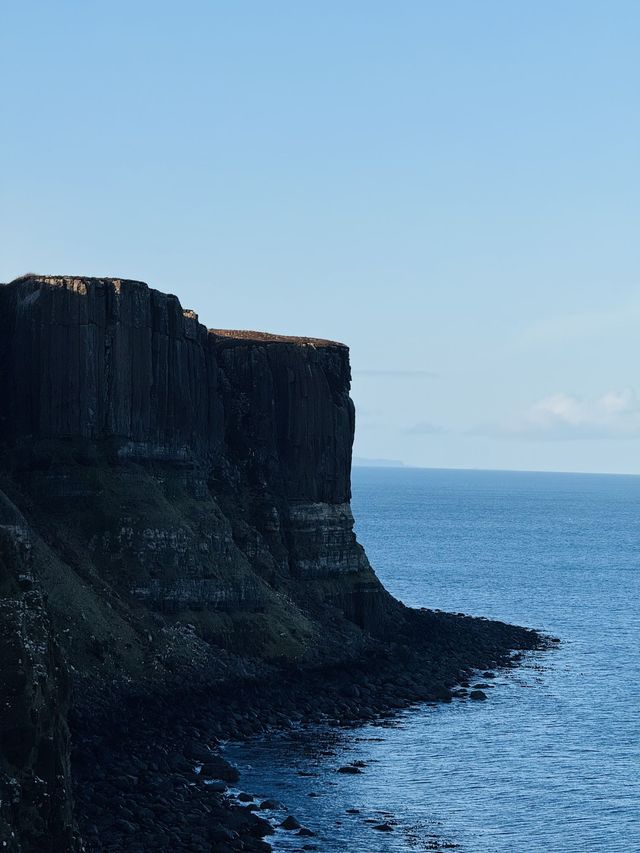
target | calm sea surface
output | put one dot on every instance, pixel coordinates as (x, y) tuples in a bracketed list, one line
[(552, 761)]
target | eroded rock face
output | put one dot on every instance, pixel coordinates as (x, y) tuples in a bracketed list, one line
[(111, 359), (289, 420), (99, 358), (262, 427), (36, 806), (191, 471), (179, 514), (289, 425), (322, 540)]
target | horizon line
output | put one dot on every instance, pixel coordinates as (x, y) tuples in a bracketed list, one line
[(404, 467)]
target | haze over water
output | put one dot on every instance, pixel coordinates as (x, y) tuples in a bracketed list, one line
[(551, 761)]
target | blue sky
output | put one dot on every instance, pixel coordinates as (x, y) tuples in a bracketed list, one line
[(451, 188)]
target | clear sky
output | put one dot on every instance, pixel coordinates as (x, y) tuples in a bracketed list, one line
[(451, 188)]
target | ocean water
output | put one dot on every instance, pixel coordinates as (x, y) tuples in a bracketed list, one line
[(552, 761)]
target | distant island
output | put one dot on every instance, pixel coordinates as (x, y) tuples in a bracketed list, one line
[(364, 462)]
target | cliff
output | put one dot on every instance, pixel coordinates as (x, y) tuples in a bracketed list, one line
[(175, 519), (185, 496), (252, 430)]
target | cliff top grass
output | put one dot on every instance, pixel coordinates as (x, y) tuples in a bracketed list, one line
[(267, 337), (78, 283)]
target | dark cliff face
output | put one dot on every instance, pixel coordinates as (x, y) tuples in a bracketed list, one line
[(288, 414), (99, 358), (107, 359), (289, 424), (184, 494), (187, 469), (264, 422)]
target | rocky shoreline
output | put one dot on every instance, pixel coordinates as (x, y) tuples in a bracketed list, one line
[(148, 771)]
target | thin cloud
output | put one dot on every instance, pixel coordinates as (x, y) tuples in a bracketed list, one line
[(397, 374), (425, 428), (561, 416), (558, 329)]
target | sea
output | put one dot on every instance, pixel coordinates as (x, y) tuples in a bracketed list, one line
[(551, 762)]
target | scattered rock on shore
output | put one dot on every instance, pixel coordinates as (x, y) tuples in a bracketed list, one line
[(478, 695)]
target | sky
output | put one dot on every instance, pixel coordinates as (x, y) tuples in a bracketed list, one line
[(450, 188)]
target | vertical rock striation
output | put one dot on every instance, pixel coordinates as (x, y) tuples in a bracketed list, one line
[(266, 420), (201, 475), (98, 358), (289, 425)]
